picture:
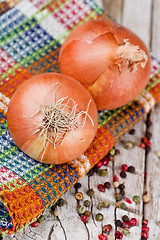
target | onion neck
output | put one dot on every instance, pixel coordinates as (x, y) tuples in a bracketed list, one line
[(130, 56)]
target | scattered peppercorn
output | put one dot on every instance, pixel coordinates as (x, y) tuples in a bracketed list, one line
[(34, 224), (99, 164), (105, 204), (145, 234), (85, 218), (112, 151), (125, 218), (53, 207), (118, 223), (117, 152), (118, 235), (133, 222), (87, 203), (99, 217), (145, 222), (101, 187), (105, 161), (125, 231), (90, 192), (115, 178), (132, 131), (91, 172), (123, 206), (145, 228), (129, 144), (107, 185), (125, 225), (136, 199), (116, 184), (123, 174), (102, 237), (87, 213), (107, 228), (79, 196), (122, 192), (81, 209), (99, 206), (77, 185), (124, 167), (146, 198), (131, 169), (95, 169), (121, 186), (60, 202), (103, 172), (128, 200), (118, 196)]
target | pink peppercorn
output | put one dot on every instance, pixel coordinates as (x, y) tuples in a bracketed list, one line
[(142, 145), (102, 237), (105, 161), (118, 235), (85, 218), (107, 228), (145, 234), (145, 228), (128, 200), (124, 167), (99, 164), (133, 222), (101, 187), (34, 224), (115, 178), (145, 222), (125, 225)]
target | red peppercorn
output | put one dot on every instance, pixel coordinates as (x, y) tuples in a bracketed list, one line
[(125, 225), (34, 224), (107, 228), (142, 145), (133, 222), (145, 228), (145, 234), (101, 187), (105, 161), (99, 164), (118, 235), (145, 222), (115, 178), (102, 237), (128, 200), (85, 218), (124, 167)]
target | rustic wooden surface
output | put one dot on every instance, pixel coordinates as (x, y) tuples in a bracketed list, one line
[(143, 18)]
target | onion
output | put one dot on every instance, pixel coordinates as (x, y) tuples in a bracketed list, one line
[(52, 118), (109, 60)]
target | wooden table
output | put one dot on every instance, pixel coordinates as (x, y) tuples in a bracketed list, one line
[(141, 17)]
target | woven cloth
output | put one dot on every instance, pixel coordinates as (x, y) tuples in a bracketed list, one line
[(31, 33)]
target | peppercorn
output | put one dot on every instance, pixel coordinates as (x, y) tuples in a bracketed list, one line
[(129, 144), (124, 167), (128, 201), (99, 217), (99, 206), (122, 192), (77, 185), (121, 186), (60, 202), (146, 198), (131, 169), (112, 152), (118, 196), (102, 237), (102, 172), (123, 206), (136, 199), (34, 224), (85, 218), (105, 161), (125, 231), (118, 235), (99, 164), (116, 184), (118, 223), (117, 152), (105, 204), (81, 209), (123, 174), (125, 225), (87, 213), (101, 187), (90, 192), (145, 222), (132, 131), (95, 169), (145, 234), (87, 203), (145, 228), (125, 218), (107, 185), (41, 219), (115, 178), (90, 173), (133, 222), (79, 196), (53, 207), (107, 228)]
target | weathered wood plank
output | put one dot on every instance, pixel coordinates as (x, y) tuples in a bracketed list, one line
[(114, 9), (155, 42)]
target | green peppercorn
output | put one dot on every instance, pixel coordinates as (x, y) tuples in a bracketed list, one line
[(87, 213), (41, 219), (125, 231), (87, 203), (102, 172), (79, 196), (81, 209), (60, 202), (106, 204), (136, 199), (99, 206), (123, 206), (112, 151), (90, 192), (99, 217), (129, 144), (118, 196)]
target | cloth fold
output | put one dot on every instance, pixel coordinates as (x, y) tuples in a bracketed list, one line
[(31, 33)]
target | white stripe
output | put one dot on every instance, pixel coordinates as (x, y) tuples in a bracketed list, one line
[(147, 101)]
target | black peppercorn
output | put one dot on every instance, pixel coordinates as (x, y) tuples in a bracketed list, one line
[(118, 223), (131, 169), (95, 169), (123, 174), (91, 172), (122, 192), (107, 185), (132, 131), (117, 152), (125, 218), (60, 202), (77, 185), (121, 186), (53, 207)]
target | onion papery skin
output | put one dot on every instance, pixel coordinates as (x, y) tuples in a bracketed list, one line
[(92, 55), (25, 118)]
